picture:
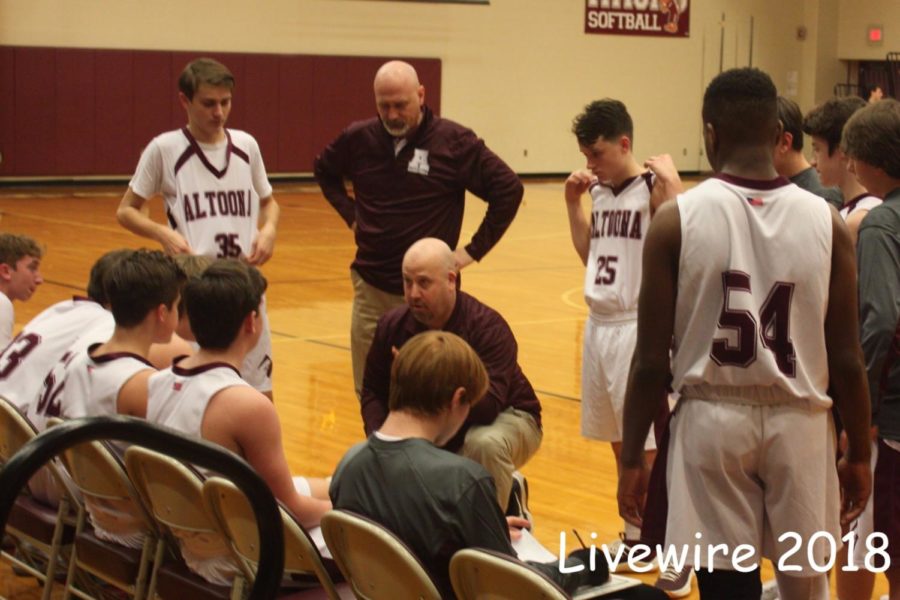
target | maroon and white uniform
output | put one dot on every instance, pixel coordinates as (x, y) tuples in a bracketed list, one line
[(81, 385), (212, 194), (619, 221), (177, 398), (750, 362), (68, 325), (864, 525), (861, 202)]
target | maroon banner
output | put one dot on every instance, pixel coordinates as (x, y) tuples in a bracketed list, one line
[(669, 18)]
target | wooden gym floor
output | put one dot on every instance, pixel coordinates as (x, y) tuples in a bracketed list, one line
[(533, 277)]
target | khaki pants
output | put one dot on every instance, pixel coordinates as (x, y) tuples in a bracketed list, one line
[(369, 303), (502, 447)]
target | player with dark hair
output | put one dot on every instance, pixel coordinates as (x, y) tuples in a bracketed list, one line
[(218, 198), (872, 141), (20, 259), (749, 279), (874, 93), (624, 197), (203, 395), (789, 159), (824, 125)]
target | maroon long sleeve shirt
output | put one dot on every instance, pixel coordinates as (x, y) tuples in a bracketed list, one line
[(418, 193), (488, 334)]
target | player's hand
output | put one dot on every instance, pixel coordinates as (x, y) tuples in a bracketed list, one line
[(856, 485), (577, 184), (173, 242), (668, 182), (462, 258), (516, 525), (632, 494), (263, 246)]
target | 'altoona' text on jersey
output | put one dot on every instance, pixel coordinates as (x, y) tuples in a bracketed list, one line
[(216, 203), (616, 223)]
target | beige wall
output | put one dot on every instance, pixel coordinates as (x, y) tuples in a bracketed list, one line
[(856, 16), (516, 71)]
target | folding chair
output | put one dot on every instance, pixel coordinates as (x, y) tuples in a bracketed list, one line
[(481, 574), (31, 522), (234, 516), (375, 562), (174, 493), (114, 505)]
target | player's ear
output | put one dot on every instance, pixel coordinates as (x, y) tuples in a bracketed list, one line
[(421, 94), (184, 100), (625, 143), (5, 271)]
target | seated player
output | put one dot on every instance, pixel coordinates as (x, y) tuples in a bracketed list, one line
[(203, 395), (20, 259), (183, 343), (67, 325), (502, 432), (435, 501), (110, 377)]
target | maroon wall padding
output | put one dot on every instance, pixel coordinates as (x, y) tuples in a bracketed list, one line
[(68, 112), (7, 109)]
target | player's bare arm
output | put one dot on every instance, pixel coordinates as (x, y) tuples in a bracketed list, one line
[(847, 373), (264, 245), (577, 184), (225, 423), (650, 370), (131, 217), (668, 182), (132, 399)]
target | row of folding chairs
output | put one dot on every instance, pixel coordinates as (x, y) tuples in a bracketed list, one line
[(172, 505)]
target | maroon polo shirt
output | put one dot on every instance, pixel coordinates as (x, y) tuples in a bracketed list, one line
[(419, 192), (488, 334)]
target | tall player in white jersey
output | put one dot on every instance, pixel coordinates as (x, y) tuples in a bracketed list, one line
[(753, 279), (70, 324), (610, 244), (218, 199), (203, 395)]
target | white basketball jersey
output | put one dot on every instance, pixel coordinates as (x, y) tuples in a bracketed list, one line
[(67, 325), (81, 385), (619, 221), (753, 282), (178, 397), (862, 202), (212, 192)]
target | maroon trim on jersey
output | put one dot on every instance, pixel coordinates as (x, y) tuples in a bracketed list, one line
[(238, 152), (171, 218), (105, 358), (196, 149), (183, 372), (851, 205), (185, 156), (616, 190), (755, 184)]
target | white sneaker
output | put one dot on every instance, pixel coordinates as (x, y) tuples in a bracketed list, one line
[(623, 566), (675, 583)]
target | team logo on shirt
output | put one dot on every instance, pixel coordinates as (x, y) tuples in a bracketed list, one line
[(616, 223), (201, 205), (419, 162)]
